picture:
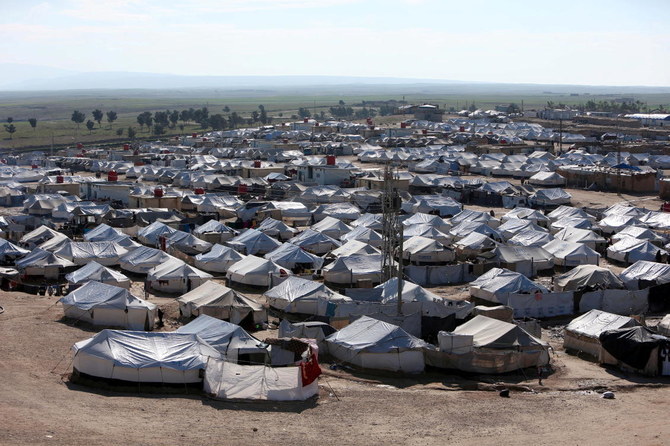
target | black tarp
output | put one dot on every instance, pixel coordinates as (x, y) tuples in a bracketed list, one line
[(632, 345)]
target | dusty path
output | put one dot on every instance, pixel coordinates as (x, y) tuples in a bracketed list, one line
[(38, 407)]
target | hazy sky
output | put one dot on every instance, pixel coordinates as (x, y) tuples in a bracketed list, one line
[(611, 42)]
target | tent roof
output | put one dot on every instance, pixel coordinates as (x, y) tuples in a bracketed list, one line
[(493, 333), (374, 336)]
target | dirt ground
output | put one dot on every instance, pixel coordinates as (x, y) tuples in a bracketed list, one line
[(38, 405)]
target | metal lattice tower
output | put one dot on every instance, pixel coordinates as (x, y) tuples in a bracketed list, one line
[(392, 232)]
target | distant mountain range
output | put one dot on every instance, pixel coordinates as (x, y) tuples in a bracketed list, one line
[(19, 77)]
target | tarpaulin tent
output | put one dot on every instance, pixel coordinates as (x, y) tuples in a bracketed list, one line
[(583, 333), (332, 227), (150, 235), (221, 302), (297, 295), (141, 260), (218, 259), (276, 229), (187, 243), (102, 304), (105, 253), (643, 274), (214, 232), (630, 250), (350, 270), (571, 254), (423, 250), (587, 277), (255, 271), (315, 242), (252, 242), (498, 283), (175, 276), (43, 263), (638, 348), (138, 356), (93, 271)]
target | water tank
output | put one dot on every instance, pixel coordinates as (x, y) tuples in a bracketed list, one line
[(199, 191), (330, 160), (461, 128), (80, 145), (60, 179), (257, 164), (242, 188), (424, 131), (158, 192), (112, 176), (126, 147), (194, 135), (34, 166), (403, 125), (306, 120)]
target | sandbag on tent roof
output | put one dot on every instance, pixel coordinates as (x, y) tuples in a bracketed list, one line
[(276, 229), (331, 227), (218, 259), (175, 276), (291, 256), (42, 263), (639, 233), (643, 274), (214, 232), (571, 254), (353, 247), (363, 234), (105, 253), (526, 214), (427, 219), (315, 242), (373, 344), (187, 243), (230, 340), (630, 250), (103, 304), (139, 356), (424, 250), (143, 259), (582, 333), (546, 179), (93, 271), (514, 225), (221, 302), (298, 295), (530, 238), (498, 283), (432, 305), (487, 345), (255, 271), (10, 252), (587, 277), (151, 234), (350, 270), (252, 242), (38, 236), (577, 235)]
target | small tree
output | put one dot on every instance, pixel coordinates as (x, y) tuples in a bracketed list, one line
[(132, 133), (90, 125), (226, 109), (10, 128), (97, 116), (111, 117), (119, 131), (159, 129), (78, 117), (10, 120), (33, 123)]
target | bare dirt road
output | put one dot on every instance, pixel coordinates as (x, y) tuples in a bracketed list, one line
[(39, 406)]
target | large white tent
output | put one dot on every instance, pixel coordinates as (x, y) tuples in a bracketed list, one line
[(102, 304), (351, 270), (498, 283), (293, 257), (298, 295), (141, 260), (218, 259), (630, 250), (643, 274), (150, 235), (423, 251), (571, 254), (221, 302), (93, 271), (587, 277), (175, 276), (214, 232), (253, 242), (315, 242), (80, 253), (255, 271), (43, 263), (332, 227)]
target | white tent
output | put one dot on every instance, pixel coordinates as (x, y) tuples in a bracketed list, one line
[(372, 221), (315, 242), (276, 229), (214, 232), (583, 333), (353, 247), (422, 250), (639, 233), (43, 263), (472, 216), (571, 254), (55, 243), (93, 271), (546, 179), (550, 197), (615, 223), (10, 252), (498, 283), (255, 271), (230, 340), (332, 227), (221, 302), (297, 295), (587, 277), (530, 238), (151, 234), (474, 244), (630, 250), (643, 274), (102, 304), (527, 214), (584, 236), (141, 260), (427, 219), (428, 231), (339, 211), (351, 270), (105, 253), (432, 305), (372, 344), (293, 257), (138, 356), (515, 225), (175, 276), (363, 234), (252, 242), (218, 259), (466, 228), (187, 243), (38, 236)]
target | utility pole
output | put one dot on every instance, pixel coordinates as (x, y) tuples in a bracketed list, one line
[(560, 136), (392, 233)]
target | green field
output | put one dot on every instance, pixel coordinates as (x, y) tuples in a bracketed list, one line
[(54, 109)]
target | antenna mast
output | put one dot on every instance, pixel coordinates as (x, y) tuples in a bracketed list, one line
[(392, 232)]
